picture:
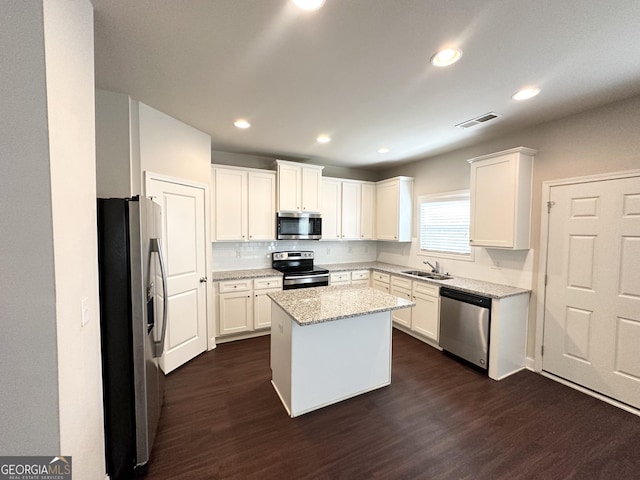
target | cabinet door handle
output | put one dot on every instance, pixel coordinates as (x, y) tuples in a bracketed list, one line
[(203, 279)]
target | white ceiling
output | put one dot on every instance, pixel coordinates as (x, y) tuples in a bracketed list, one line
[(359, 70)]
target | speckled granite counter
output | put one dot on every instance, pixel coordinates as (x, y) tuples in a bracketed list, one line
[(322, 304), (479, 287), (241, 274), (488, 289), (316, 362)]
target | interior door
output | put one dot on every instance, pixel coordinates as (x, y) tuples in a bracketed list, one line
[(592, 309), (183, 236)]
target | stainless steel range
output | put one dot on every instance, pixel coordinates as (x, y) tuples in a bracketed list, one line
[(298, 270)]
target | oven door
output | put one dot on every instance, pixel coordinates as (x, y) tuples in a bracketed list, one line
[(305, 281), (299, 226)]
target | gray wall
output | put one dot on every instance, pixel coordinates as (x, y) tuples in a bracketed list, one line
[(29, 421)]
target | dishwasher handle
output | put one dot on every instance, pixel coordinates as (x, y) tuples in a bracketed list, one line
[(465, 297)]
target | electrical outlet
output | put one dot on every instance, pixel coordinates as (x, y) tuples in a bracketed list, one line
[(84, 311), (328, 251)]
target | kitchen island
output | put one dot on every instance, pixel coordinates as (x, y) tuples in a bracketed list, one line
[(329, 344)]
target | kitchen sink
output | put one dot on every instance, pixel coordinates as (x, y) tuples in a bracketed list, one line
[(431, 275)]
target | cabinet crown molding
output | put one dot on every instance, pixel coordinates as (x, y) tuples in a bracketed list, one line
[(298, 164), (524, 150)]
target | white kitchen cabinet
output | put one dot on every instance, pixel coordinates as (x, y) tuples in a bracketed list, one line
[(425, 316), (261, 301), (235, 308), (243, 305), (360, 277), (299, 187), (262, 205), (340, 278), (348, 209), (380, 281), (394, 205), (401, 287), (331, 208), (368, 211), (244, 204), (501, 199), (351, 205)]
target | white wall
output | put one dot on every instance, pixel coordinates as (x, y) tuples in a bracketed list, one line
[(51, 396), (68, 27), (173, 148)]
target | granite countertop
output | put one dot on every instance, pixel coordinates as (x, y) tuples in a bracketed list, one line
[(308, 306), (242, 274), (479, 287)]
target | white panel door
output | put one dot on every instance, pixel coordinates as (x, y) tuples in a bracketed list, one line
[(183, 233), (592, 311)]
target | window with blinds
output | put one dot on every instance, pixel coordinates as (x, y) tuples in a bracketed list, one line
[(444, 223)]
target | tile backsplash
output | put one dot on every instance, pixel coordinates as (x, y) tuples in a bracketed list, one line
[(248, 255)]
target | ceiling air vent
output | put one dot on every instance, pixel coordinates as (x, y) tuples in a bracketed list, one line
[(479, 120)]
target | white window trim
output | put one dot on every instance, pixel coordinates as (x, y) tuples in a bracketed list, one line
[(432, 253)]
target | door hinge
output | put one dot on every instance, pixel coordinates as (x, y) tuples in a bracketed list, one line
[(546, 279), (549, 205), (542, 351)]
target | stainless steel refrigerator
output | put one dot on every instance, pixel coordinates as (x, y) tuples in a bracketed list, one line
[(133, 323)]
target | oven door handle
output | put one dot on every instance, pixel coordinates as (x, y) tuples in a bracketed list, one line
[(319, 276)]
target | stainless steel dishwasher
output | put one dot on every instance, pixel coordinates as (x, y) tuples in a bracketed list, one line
[(464, 325)]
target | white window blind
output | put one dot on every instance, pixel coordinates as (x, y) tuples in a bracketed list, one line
[(444, 223)]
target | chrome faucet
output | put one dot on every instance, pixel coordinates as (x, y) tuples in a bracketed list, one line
[(435, 269)]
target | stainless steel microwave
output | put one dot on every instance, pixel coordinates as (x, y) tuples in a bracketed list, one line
[(299, 226)]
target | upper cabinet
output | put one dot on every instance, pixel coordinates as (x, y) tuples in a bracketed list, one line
[(394, 200), (244, 204), (347, 208), (368, 211), (501, 199), (299, 187)]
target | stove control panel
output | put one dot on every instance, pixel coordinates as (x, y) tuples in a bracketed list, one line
[(292, 255)]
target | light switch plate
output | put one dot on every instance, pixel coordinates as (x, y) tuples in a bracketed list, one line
[(84, 306)]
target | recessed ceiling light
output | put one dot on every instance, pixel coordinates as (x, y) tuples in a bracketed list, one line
[(309, 4), (383, 150), (323, 139), (241, 123), (526, 93), (446, 57)]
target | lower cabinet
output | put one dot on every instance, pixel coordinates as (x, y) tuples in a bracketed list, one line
[(356, 277), (340, 278), (401, 287), (360, 277), (243, 305), (424, 318), (380, 281)]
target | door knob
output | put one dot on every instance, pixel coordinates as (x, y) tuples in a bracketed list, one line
[(203, 279)]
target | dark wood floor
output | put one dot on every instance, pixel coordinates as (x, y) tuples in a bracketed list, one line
[(438, 419)]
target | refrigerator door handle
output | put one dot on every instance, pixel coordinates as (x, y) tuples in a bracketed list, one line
[(158, 346)]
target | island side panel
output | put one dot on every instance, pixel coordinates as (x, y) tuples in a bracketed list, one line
[(281, 324), (339, 359), (508, 338)]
